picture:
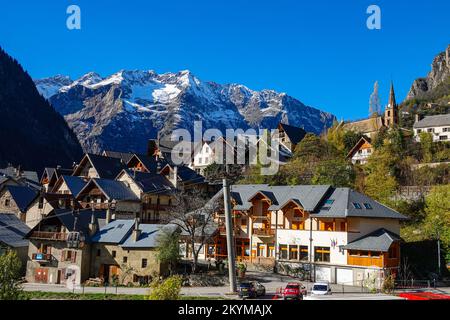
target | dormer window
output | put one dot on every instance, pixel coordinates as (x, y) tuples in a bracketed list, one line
[(329, 201), (368, 206), (356, 205)]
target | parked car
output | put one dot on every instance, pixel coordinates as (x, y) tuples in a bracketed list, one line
[(251, 289), (294, 290), (321, 288)]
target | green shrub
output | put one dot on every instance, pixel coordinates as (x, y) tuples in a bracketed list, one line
[(168, 289), (9, 276)]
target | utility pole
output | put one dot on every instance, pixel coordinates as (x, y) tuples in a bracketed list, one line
[(439, 252), (310, 249), (230, 240)]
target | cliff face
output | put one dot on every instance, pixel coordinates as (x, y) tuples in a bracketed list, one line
[(439, 74), (33, 134)]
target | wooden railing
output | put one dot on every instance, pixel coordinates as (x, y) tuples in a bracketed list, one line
[(61, 236), (365, 261)]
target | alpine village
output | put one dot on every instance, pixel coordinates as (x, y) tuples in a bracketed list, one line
[(364, 203)]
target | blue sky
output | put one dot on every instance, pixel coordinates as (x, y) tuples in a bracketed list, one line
[(320, 52)]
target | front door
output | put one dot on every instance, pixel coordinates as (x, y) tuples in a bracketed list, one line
[(41, 275)]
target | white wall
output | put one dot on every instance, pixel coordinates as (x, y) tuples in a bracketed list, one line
[(437, 133)]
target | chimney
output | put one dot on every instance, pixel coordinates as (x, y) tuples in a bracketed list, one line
[(175, 177), (92, 225), (417, 118), (136, 231), (108, 213)]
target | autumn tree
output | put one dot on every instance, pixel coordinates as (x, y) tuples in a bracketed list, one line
[(9, 276)]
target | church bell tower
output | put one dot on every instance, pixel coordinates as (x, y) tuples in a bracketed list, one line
[(391, 115)]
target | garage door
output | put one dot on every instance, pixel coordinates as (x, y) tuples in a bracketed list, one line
[(323, 274), (344, 276)]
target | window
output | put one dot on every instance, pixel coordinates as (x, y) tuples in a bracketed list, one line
[(325, 226), (125, 259), (144, 263), (356, 205), (200, 160), (99, 252), (445, 129), (304, 253), (367, 206), (293, 253), (41, 203), (283, 251), (298, 225), (329, 201), (369, 150), (322, 254), (7, 202), (443, 138), (419, 130), (430, 130), (359, 151), (113, 253)]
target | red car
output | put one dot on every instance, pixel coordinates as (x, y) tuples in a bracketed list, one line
[(294, 290)]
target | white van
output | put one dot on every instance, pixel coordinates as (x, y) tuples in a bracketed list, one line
[(321, 288)]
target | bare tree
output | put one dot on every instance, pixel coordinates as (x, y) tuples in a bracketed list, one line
[(374, 101), (194, 215)]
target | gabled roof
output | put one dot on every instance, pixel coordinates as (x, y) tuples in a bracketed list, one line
[(106, 167), (356, 147), (149, 182), (48, 172), (22, 195), (294, 134), (74, 184), (379, 240), (367, 125), (13, 231), (125, 156), (185, 174), (111, 189), (150, 163), (12, 172), (147, 239), (439, 120)]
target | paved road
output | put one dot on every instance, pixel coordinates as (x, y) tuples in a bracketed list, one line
[(271, 281)]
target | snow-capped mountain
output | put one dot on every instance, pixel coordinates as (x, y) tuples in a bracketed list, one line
[(122, 111)]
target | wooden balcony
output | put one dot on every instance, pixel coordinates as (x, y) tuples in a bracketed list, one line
[(223, 230), (45, 235), (365, 261), (264, 232), (41, 257)]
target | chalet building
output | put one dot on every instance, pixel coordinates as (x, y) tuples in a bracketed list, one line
[(16, 199), (59, 249), (12, 233), (438, 126), (362, 150), (126, 250), (372, 125), (51, 176), (97, 166), (209, 152), (343, 234), (154, 190), (184, 178), (19, 176), (69, 185), (105, 194), (144, 163), (45, 203), (289, 136)]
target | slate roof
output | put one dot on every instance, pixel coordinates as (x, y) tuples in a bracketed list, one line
[(345, 201), (356, 147), (186, 175), (13, 231), (112, 189), (365, 125), (378, 240), (120, 232), (433, 121), (75, 184), (106, 167), (125, 156), (22, 195), (350, 203), (295, 134), (151, 182), (114, 232)]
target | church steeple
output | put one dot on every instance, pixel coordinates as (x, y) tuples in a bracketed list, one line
[(392, 102), (391, 112)]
